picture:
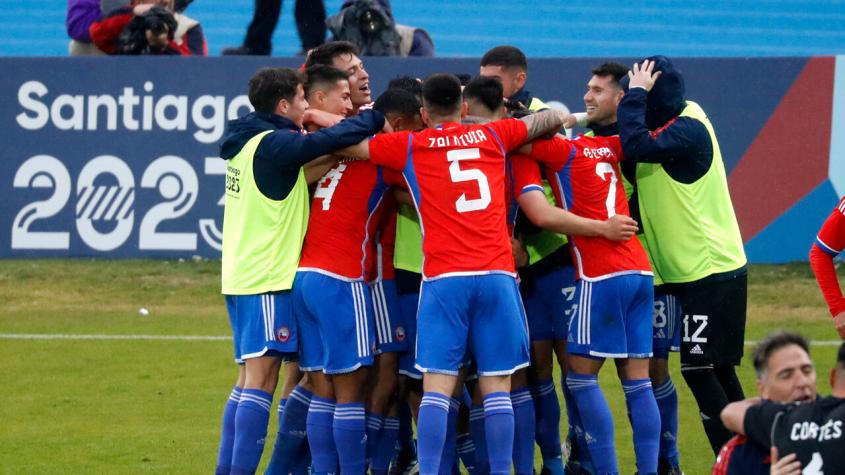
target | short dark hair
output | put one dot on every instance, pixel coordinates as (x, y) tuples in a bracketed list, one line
[(270, 85), (326, 52), (506, 57), (398, 101), (406, 83), (487, 90), (322, 76), (611, 68), (442, 94), (772, 343)]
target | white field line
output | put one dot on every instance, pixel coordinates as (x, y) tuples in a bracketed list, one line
[(67, 336), (64, 336)]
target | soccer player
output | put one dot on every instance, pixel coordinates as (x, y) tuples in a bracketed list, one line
[(813, 431), (544, 277), (469, 299), (326, 90), (344, 56), (604, 92), (691, 229), (265, 217), (402, 111), (785, 375), (829, 243), (509, 64), (614, 295)]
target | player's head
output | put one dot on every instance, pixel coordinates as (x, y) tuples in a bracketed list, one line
[(442, 99), (344, 56), (508, 64), (401, 109), (278, 91), (604, 93), (483, 96), (407, 83), (327, 89), (785, 372)]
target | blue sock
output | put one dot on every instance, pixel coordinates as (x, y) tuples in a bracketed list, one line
[(350, 437), (576, 436), (320, 439), (667, 404), (498, 429), (250, 430), (406, 429), (466, 452), (450, 454), (291, 444), (375, 422), (523, 431), (598, 428), (479, 439), (431, 431), (547, 408), (645, 422), (386, 446), (227, 433)]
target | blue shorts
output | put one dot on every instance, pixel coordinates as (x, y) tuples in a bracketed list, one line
[(666, 324), (549, 299), (481, 315), (334, 318), (408, 303), (262, 324), (614, 317), (390, 331)]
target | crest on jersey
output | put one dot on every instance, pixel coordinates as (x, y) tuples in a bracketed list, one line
[(400, 333), (283, 335)]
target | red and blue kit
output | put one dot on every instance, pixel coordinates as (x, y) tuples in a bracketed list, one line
[(830, 242), (456, 176), (585, 178)]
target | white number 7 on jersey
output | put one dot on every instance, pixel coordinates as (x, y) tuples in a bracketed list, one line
[(602, 169), (464, 205)]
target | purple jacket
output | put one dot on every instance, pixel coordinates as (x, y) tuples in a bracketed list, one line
[(80, 15)]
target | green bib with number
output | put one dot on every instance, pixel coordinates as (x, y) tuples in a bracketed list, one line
[(262, 238)]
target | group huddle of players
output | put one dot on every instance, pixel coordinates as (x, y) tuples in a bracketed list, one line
[(448, 259)]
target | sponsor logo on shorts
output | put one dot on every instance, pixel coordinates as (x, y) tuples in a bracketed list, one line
[(660, 334), (696, 350), (400, 333), (283, 335)]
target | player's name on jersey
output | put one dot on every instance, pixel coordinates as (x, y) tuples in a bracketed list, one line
[(830, 430), (471, 137)]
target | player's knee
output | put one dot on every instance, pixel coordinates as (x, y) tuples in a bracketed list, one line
[(658, 370)]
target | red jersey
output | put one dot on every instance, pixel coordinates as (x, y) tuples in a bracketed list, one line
[(383, 241), (829, 243), (584, 174), (456, 175), (345, 200)]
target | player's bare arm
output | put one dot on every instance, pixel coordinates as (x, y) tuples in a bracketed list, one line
[(542, 214), (733, 415), (315, 169), (543, 122)]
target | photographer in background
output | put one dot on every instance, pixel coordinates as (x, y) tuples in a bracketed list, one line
[(135, 28)]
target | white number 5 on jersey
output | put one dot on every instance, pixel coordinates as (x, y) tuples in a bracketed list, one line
[(464, 205)]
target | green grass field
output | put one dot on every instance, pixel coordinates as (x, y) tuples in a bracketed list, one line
[(132, 406)]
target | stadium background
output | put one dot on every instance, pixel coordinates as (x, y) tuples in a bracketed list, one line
[(765, 71)]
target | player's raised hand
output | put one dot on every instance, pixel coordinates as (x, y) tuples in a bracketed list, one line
[(643, 75), (620, 228), (788, 465), (839, 324)]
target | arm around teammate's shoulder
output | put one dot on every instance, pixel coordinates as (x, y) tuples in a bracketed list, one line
[(293, 150)]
